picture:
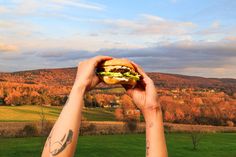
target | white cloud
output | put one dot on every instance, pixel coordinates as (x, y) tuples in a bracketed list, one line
[(152, 17), (150, 25), (4, 9), (79, 4), (230, 38), (30, 7), (215, 25), (209, 59), (18, 31), (7, 47)]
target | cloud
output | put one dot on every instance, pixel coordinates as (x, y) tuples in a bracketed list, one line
[(216, 29), (19, 33), (7, 48), (215, 25), (230, 38), (4, 9), (176, 57), (36, 7), (150, 25), (79, 4), (209, 59)]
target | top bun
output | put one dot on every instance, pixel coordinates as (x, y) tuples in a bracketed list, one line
[(120, 62)]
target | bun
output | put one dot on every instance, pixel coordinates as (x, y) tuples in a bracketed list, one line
[(113, 80), (115, 66), (120, 62)]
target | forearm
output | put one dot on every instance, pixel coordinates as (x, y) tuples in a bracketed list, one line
[(155, 138), (63, 137)]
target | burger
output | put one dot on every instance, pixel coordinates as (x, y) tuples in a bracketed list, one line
[(118, 71)]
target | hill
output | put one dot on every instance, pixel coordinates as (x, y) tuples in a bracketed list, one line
[(66, 76), (184, 99)]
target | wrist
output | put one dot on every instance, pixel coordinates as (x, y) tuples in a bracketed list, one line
[(151, 112), (80, 88)]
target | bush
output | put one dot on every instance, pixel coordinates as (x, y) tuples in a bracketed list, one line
[(230, 123), (167, 128), (196, 136), (28, 130), (87, 128), (131, 124), (3, 133), (46, 128)]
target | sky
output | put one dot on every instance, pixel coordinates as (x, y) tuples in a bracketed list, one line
[(172, 36)]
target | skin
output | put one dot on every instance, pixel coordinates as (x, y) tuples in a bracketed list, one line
[(145, 97), (62, 140)]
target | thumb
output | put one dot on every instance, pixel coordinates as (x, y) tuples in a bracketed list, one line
[(130, 92), (128, 89)]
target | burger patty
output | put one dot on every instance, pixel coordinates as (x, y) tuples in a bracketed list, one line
[(116, 69), (119, 70)]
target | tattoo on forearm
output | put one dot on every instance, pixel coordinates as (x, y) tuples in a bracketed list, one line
[(57, 147), (148, 126), (48, 139), (147, 148)]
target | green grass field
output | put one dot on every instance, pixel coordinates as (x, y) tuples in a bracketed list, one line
[(179, 145), (28, 113)]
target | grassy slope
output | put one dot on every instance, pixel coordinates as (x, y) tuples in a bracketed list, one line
[(32, 113), (179, 145)]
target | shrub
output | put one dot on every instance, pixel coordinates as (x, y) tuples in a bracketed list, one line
[(196, 137), (3, 133), (230, 123), (28, 130), (46, 128), (87, 128), (131, 124), (167, 128)]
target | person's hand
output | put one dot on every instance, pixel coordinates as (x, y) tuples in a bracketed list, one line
[(86, 76), (144, 94)]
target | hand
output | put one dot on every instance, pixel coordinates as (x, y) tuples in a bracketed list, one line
[(86, 76), (144, 93)]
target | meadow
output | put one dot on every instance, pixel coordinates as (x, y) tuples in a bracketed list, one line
[(29, 113), (129, 145)]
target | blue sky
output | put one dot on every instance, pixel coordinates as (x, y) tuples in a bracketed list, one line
[(172, 36)]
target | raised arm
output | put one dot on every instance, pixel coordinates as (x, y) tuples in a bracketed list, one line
[(63, 137), (145, 97)]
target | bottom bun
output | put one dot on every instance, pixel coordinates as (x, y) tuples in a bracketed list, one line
[(113, 80)]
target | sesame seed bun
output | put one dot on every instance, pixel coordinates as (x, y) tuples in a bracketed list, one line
[(118, 61)]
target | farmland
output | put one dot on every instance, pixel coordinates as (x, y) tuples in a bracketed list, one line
[(179, 144), (29, 113)]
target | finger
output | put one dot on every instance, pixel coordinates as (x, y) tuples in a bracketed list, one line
[(97, 80), (139, 69), (99, 59), (130, 92), (146, 79), (146, 82), (128, 88)]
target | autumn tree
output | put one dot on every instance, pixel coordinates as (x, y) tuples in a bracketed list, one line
[(169, 116), (119, 114), (13, 98), (179, 115)]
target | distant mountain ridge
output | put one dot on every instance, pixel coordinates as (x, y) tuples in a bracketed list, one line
[(66, 76)]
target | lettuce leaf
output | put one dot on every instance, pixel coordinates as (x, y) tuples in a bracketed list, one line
[(117, 74)]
